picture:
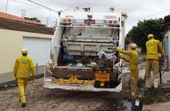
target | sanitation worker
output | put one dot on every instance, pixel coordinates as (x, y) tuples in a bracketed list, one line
[(22, 69), (133, 60), (153, 46)]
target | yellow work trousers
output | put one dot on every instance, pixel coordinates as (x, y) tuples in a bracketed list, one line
[(22, 83), (134, 82), (152, 65)]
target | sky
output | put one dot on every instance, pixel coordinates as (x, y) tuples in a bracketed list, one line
[(137, 10)]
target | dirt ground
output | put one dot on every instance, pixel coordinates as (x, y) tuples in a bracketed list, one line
[(40, 99)]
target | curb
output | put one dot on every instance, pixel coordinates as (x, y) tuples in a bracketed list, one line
[(13, 83)]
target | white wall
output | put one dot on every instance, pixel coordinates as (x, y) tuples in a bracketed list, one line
[(39, 49), (11, 43), (168, 48), (166, 44)]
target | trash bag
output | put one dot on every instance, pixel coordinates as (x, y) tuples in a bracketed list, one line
[(102, 55)]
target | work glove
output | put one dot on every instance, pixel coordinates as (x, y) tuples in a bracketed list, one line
[(121, 56), (114, 48)]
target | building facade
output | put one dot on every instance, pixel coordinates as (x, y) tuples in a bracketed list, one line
[(166, 42), (15, 34)]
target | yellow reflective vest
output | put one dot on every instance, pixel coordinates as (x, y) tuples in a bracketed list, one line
[(23, 67), (133, 57), (152, 48)]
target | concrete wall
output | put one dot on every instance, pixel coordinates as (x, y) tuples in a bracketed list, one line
[(168, 49), (11, 45), (166, 44), (7, 79)]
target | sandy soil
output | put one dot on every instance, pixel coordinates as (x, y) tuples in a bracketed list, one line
[(40, 99)]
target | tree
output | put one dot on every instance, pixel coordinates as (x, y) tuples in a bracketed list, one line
[(33, 19), (138, 34)]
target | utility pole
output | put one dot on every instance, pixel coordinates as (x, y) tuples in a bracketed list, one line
[(48, 18), (6, 9), (23, 14), (47, 21)]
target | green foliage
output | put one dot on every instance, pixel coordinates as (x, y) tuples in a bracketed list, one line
[(148, 97), (33, 19), (138, 34), (141, 82)]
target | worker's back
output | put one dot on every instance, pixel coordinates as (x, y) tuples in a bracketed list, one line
[(152, 49), (133, 59), (23, 66)]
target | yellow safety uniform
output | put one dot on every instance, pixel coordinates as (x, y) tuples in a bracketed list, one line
[(22, 69), (133, 57), (133, 60), (152, 48), (152, 64)]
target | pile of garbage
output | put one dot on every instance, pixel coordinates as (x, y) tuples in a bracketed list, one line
[(103, 60)]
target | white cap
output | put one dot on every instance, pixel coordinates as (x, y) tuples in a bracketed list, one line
[(24, 51), (133, 45), (150, 36)]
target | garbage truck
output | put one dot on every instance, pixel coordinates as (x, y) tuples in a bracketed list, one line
[(81, 57)]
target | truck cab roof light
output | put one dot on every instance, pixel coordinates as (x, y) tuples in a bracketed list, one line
[(111, 22), (67, 20), (64, 20)]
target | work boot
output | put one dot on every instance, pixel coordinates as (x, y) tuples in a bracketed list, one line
[(23, 105)]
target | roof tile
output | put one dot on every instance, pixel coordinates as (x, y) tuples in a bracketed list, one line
[(17, 24), (16, 18)]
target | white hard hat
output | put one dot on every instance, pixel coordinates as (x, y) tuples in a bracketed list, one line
[(24, 51), (133, 45), (150, 36)]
